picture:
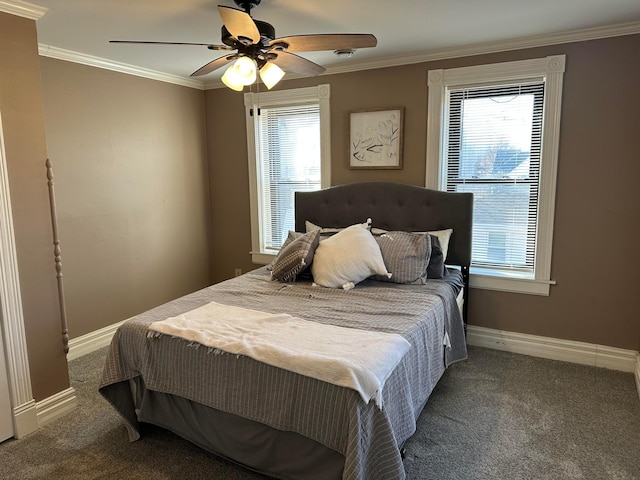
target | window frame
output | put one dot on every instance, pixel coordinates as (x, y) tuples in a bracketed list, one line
[(549, 70), (252, 101)]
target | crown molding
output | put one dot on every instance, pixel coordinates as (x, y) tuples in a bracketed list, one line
[(522, 43), (630, 28), (92, 61), (22, 9)]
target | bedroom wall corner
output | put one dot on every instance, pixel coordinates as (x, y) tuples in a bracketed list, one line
[(229, 183), (132, 190)]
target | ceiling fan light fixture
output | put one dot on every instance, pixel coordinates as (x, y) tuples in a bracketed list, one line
[(230, 80), (271, 74), (245, 68), (240, 73)]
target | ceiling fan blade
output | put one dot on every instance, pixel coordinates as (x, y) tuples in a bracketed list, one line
[(213, 65), (331, 41), (240, 25), (290, 62), (145, 42)]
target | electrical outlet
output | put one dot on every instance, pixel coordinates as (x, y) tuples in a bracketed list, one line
[(238, 272)]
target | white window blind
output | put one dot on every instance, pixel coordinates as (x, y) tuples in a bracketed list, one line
[(493, 149), (288, 151)]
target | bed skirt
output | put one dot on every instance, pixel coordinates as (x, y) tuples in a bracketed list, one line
[(253, 445)]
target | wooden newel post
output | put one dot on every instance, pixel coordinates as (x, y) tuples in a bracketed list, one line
[(57, 258)]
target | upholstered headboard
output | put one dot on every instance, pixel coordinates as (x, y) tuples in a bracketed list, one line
[(392, 206)]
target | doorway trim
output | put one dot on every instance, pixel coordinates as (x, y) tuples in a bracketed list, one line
[(23, 405)]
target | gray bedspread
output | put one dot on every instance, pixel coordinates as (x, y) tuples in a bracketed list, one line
[(368, 437)]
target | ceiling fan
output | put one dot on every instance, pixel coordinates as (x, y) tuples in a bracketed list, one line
[(257, 48)]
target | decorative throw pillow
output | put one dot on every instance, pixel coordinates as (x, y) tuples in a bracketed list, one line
[(436, 261), (443, 236), (295, 256), (347, 258), (290, 238), (405, 254)]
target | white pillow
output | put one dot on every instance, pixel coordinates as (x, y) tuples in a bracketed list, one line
[(347, 258)]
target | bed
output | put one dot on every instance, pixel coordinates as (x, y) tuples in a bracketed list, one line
[(283, 423)]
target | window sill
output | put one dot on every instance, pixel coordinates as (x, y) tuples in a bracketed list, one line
[(501, 282), (260, 258)]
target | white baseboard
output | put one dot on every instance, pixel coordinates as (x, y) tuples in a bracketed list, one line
[(25, 419), (91, 341), (56, 406), (555, 349)]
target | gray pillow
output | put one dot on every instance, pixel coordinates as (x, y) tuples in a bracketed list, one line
[(295, 256), (436, 261), (290, 238), (406, 256)]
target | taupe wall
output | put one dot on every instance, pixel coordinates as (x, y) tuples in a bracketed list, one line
[(134, 182), (131, 180), (24, 134), (595, 260)]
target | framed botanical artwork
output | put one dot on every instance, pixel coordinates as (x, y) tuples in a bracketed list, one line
[(375, 138)]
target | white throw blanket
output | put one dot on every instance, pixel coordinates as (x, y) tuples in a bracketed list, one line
[(357, 359)]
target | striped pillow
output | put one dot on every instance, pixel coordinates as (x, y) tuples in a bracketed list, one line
[(295, 257), (406, 255)]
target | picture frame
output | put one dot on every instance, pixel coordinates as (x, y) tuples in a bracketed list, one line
[(375, 138)]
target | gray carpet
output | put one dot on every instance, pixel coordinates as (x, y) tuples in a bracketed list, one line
[(496, 416)]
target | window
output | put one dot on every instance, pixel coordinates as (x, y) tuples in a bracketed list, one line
[(289, 148), (493, 150), (493, 130)]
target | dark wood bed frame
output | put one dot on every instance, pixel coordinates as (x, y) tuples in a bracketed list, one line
[(395, 206)]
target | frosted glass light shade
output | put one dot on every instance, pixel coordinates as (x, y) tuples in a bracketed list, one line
[(246, 70), (242, 72), (271, 74), (231, 80)]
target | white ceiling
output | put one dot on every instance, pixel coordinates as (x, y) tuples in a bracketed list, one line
[(405, 29)]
